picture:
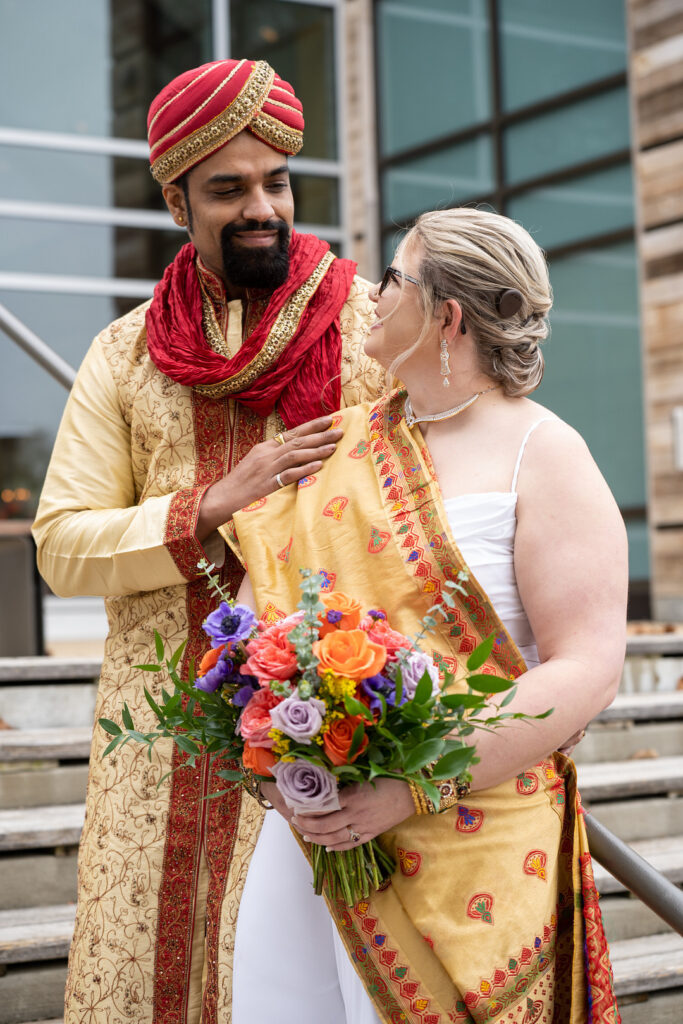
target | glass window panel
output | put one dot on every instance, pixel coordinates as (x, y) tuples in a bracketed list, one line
[(152, 41), (638, 549), (90, 250), (549, 48), (99, 64), (440, 179), (593, 362), (578, 208), (571, 135), (60, 176), (316, 199), (297, 39), (31, 402), (433, 70)]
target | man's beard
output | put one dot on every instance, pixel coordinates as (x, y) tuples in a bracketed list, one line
[(256, 268)]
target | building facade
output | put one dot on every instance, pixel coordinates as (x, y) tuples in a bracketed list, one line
[(565, 117)]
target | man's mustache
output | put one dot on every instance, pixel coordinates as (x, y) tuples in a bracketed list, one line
[(230, 230)]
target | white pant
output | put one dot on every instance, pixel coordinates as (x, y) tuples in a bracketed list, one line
[(290, 964)]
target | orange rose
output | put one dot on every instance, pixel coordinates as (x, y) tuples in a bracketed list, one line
[(337, 739), (258, 759), (210, 658), (338, 602), (349, 653)]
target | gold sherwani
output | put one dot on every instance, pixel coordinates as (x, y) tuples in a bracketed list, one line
[(160, 869)]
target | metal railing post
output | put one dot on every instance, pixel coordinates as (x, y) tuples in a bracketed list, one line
[(36, 348), (629, 868)]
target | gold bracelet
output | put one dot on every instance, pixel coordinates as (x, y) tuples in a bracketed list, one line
[(452, 792), (423, 805)]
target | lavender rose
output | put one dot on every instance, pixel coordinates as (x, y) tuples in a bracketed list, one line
[(299, 719), (306, 788), (229, 624), (412, 670)]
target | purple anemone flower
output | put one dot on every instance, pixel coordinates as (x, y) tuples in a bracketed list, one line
[(216, 676), (229, 624), (242, 697), (373, 685)]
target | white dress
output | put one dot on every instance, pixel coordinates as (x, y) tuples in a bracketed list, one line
[(290, 964)]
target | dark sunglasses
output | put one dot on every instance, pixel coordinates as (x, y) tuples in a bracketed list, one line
[(392, 274)]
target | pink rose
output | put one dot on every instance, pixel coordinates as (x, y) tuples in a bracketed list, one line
[(382, 633), (271, 656), (255, 722)]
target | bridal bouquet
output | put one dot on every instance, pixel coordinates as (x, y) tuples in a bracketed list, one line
[(329, 696)]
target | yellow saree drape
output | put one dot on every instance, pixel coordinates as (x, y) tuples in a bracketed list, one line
[(491, 915)]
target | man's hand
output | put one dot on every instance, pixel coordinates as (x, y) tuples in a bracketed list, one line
[(304, 449)]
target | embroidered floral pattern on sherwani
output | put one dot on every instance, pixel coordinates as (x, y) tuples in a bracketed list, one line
[(160, 869)]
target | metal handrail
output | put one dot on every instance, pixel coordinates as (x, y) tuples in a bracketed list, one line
[(24, 337), (639, 877)]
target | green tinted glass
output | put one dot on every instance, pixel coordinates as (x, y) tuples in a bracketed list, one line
[(433, 70), (578, 208), (316, 199), (593, 362), (550, 48), (444, 178), (297, 39), (570, 135)]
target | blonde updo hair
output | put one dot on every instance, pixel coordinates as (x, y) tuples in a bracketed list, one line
[(474, 256)]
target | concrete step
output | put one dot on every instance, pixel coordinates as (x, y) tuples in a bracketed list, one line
[(32, 992), (636, 819), (36, 933), (649, 1007), (39, 878), (43, 668), (665, 854), (629, 740), (654, 962), (56, 744), (39, 828), (625, 917), (611, 780), (41, 783), (644, 707)]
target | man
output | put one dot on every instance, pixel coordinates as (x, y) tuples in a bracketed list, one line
[(190, 407)]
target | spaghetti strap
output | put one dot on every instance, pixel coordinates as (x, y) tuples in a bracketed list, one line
[(513, 488)]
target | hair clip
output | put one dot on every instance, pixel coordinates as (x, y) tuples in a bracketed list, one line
[(509, 302)]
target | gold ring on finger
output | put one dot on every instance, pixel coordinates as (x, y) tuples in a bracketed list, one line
[(280, 438)]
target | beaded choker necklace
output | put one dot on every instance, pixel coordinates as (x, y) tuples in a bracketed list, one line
[(412, 419)]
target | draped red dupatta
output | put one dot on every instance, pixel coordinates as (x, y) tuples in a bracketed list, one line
[(292, 359)]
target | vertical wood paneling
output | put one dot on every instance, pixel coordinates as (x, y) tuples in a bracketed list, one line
[(656, 79)]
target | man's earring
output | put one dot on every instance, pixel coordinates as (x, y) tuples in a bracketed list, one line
[(445, 365), (180, 219)]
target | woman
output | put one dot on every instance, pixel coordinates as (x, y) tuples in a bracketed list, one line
[(491, 915)]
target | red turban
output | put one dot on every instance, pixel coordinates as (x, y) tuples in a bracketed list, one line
[(202, 109)]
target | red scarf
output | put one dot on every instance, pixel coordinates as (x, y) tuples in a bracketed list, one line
[(303, 381)]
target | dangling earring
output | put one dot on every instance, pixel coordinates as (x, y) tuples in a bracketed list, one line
[(445, 365)]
